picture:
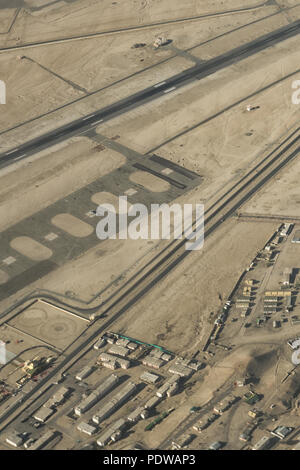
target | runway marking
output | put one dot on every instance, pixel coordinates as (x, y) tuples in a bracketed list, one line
[(160, 84), (166, 171), (87, 117), (91, 214), (21, 156), (51, 236), (130, 192), (170, 89), (97, 122), (82, 132), (12, 151)]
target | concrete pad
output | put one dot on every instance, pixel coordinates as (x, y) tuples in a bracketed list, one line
[(72, 225), (31, 248)]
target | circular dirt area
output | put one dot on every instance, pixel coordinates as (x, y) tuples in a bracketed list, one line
[(31, 248), (149, 181), (72, 225), (33, 317), (3, 277), (58, 329)]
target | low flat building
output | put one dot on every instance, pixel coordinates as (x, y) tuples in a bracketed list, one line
[(86, 428), (43, 414), (264, 443), (181, 370), (245, 436), (113, 362), (109, 408), (152, 403), (173, 389), (105, 357), (135, 415), (145, 414), (43, 440), (60, 396), (102, 390), (85, 372), (195, 365), (282, 431), (162, 391), (123, 363), (112, 365), (112, 433), (254, 413), (158, 353), (153, 362), (122, 342), (149, 377), (14, 439), (296, 238), (99, 343), (182, 441), (287, 273), (119, 350)]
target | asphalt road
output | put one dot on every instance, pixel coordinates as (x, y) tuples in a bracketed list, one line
[(197, 72)]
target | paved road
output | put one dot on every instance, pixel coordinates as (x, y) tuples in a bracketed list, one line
[(197, 72)]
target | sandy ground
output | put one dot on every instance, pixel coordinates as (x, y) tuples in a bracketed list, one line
[(181, 127), (195, 290), (193, 104), (49, 324), (281, 196), (215, 378), (87, 17), (37, 90)]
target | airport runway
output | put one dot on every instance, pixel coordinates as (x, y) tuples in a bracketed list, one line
[(197, 72)]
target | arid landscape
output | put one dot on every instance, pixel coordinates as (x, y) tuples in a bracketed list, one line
[(167, 103)]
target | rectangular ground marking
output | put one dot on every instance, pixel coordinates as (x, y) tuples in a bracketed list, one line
[(130, 192), (91, 214), (51, 236), (167, 171), (9, 260)]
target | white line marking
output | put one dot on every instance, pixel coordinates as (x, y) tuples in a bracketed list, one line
[(87, 117), (97, 122), (159, 84), (170, 89), (21, 156), (14, 150)]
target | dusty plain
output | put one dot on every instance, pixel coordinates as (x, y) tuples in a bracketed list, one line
[(63, 61)]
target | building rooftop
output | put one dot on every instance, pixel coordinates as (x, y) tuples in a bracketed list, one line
[(14, 439), (296, 238), (43, 414)]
